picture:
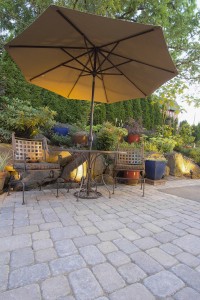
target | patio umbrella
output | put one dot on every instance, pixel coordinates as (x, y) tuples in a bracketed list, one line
[(87, 57)]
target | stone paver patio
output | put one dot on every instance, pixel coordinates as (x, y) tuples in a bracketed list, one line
[(126, 247)]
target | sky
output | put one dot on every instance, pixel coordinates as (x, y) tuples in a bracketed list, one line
[(191, 114)]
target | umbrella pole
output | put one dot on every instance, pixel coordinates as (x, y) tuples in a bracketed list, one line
[(90, 139), (91, 124)]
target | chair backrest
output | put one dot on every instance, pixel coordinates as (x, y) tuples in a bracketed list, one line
[(29, 149), (131, 157)]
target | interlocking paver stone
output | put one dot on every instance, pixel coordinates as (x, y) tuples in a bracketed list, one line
[(135, 291), (188, 259), (40, 235), (28, 275), (118, 258), (55, 287), (129, 234), (65, 247), (146, 263), (92, 255), (4, 271), (28, 292), (15, 242), (187, 294), (163, 284), (21, 257), (67, 264), (86, 240), (176, 231), (42, 244), (131, 273), (107, 247), (48, 226), (109, 225), (4, 258), (66, 232), (44, 255), (171, 249), (189, 243), (165, 236), (109, 235), (152, 227), (108, 277), (125, 245), (190, 276), (5, 231), (146, 243), (85, 285), (91, 230), (144, 232), (26, 229), (162, 257)]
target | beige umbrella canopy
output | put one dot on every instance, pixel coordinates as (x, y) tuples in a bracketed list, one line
[(64, 49)]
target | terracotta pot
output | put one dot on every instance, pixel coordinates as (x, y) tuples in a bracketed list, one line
[(2, 181), (133, 138), (132, 177), (80, 138)]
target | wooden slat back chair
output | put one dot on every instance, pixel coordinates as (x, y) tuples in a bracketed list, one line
[(132, 160), (30, 155)]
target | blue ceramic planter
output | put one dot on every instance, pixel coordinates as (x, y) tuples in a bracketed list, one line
[(61, 130), (155, 169)]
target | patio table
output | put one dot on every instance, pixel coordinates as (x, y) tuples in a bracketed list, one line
[(86, 190)]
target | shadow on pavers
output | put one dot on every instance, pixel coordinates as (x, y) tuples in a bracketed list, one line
[(187, 192)]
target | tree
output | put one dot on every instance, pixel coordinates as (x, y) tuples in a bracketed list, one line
[(196, 132), (186, 133)]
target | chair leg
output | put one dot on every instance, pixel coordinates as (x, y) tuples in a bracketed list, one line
[(143, 180), (23, 187), (57, 187)]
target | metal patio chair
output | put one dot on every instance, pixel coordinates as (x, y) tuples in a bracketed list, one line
[(30, 155), (130, 160)]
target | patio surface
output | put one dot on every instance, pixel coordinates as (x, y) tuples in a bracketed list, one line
[(124, 248)]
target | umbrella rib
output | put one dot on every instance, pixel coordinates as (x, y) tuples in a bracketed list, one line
[(109, 53), (74, 68), (125, 76), (76, 59), (90, 56), (79, 76), (123, 63), (74, 26), (49, 47), (104, 87), (53, 68), (128, 37), (139, 62)]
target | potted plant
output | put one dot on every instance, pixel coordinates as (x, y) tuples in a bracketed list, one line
[(4, 158), (61, 129), (155, 166), (135, 129)]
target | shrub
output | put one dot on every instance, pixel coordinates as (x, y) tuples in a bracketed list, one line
[(163, 144), (5, 136), (19, 116), (60, 140), (194, 153), (109, 136)]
